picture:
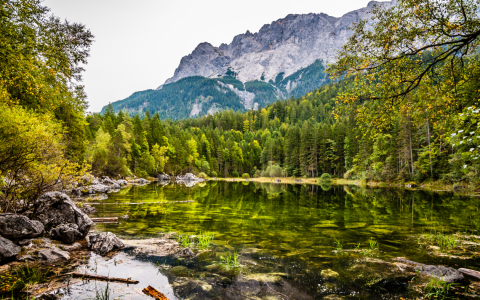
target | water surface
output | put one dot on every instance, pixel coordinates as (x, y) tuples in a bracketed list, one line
[(291, 231)]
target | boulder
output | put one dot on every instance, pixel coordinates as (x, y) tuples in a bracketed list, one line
[(52, 255), (19, 227), (447, 274), (55, 208), (8, 249), (66, 233), (104, 242), (96, 189), (122, 182), (163, 177), (107, 181)]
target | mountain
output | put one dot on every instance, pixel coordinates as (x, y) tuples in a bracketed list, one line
[(283, 59)]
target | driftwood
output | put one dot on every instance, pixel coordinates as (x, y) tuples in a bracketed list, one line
[(104, 278), (105, 220), (150, 291), (471, 273)]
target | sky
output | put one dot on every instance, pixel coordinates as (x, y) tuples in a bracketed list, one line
[(139, 44)]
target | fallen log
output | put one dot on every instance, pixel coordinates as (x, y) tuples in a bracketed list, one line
[(104, 278), (105, 220), (150, 291), (471, 273)]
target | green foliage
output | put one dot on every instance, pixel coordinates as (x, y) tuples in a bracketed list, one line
[(231, 261), (325, 178), (21, 278), (204, 240), (437, 288), (202, 175), (245, 175)]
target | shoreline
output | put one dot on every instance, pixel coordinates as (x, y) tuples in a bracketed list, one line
[(437, 187)]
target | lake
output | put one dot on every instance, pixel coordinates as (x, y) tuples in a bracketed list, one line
[(292, 241)]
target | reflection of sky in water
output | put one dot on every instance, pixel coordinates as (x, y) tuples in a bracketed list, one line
[(120, 266)]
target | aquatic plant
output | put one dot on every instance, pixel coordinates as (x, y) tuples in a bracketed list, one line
[(231, 261), (443, 241), (203, 240), (102, 294), (437, 288), (184, 240), (20, 278), (338, 246)]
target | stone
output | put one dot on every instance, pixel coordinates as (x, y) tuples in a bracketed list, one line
[(125, 217), (69, 248), (88, 210), (122, 182), (66, 233), (447, 274), (163, 177), (104, 242), (329, 274), (265, 277), (27, 258), (180, 271), (52, 255), (55, 208), (8, 249), (20, 227), (186, 252)]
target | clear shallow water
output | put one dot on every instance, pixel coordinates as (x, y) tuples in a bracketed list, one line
[(291, 230)]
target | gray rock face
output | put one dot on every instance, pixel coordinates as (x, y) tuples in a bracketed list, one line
[(104, 242), (8, 249), (447, 274), (55, 208), (285, 45), (19, 227), (52, 255), (66, 233)]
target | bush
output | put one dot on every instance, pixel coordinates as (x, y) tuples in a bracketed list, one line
[(214, 174), (235, 174), (245, 175), (325, 178), (202, 175), (275, 171)]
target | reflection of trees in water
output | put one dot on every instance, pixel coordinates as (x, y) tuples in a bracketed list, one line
[(237, 210)]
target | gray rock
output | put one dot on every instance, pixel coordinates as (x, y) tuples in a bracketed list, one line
[(447, 274), (55, 208), (87, 209), (70, 248), (122, 182), (27, 258), (163, 177), (104, 242), (25, 242), (186, 252), (19, 227), (8, 249), (52, 255), (66, 233)]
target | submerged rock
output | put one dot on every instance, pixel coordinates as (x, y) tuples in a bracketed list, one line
[(329, 274), (19, 227), (447, 274), (52, 255), (8, 249), (55, 208), (104, 242)]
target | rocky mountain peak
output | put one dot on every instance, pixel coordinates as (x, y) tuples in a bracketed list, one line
[(283, 46)]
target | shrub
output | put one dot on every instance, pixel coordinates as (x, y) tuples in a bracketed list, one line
[(235, 174), (214, 174), (202, 175), (275, 171), (325, 178), (245, 175)]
